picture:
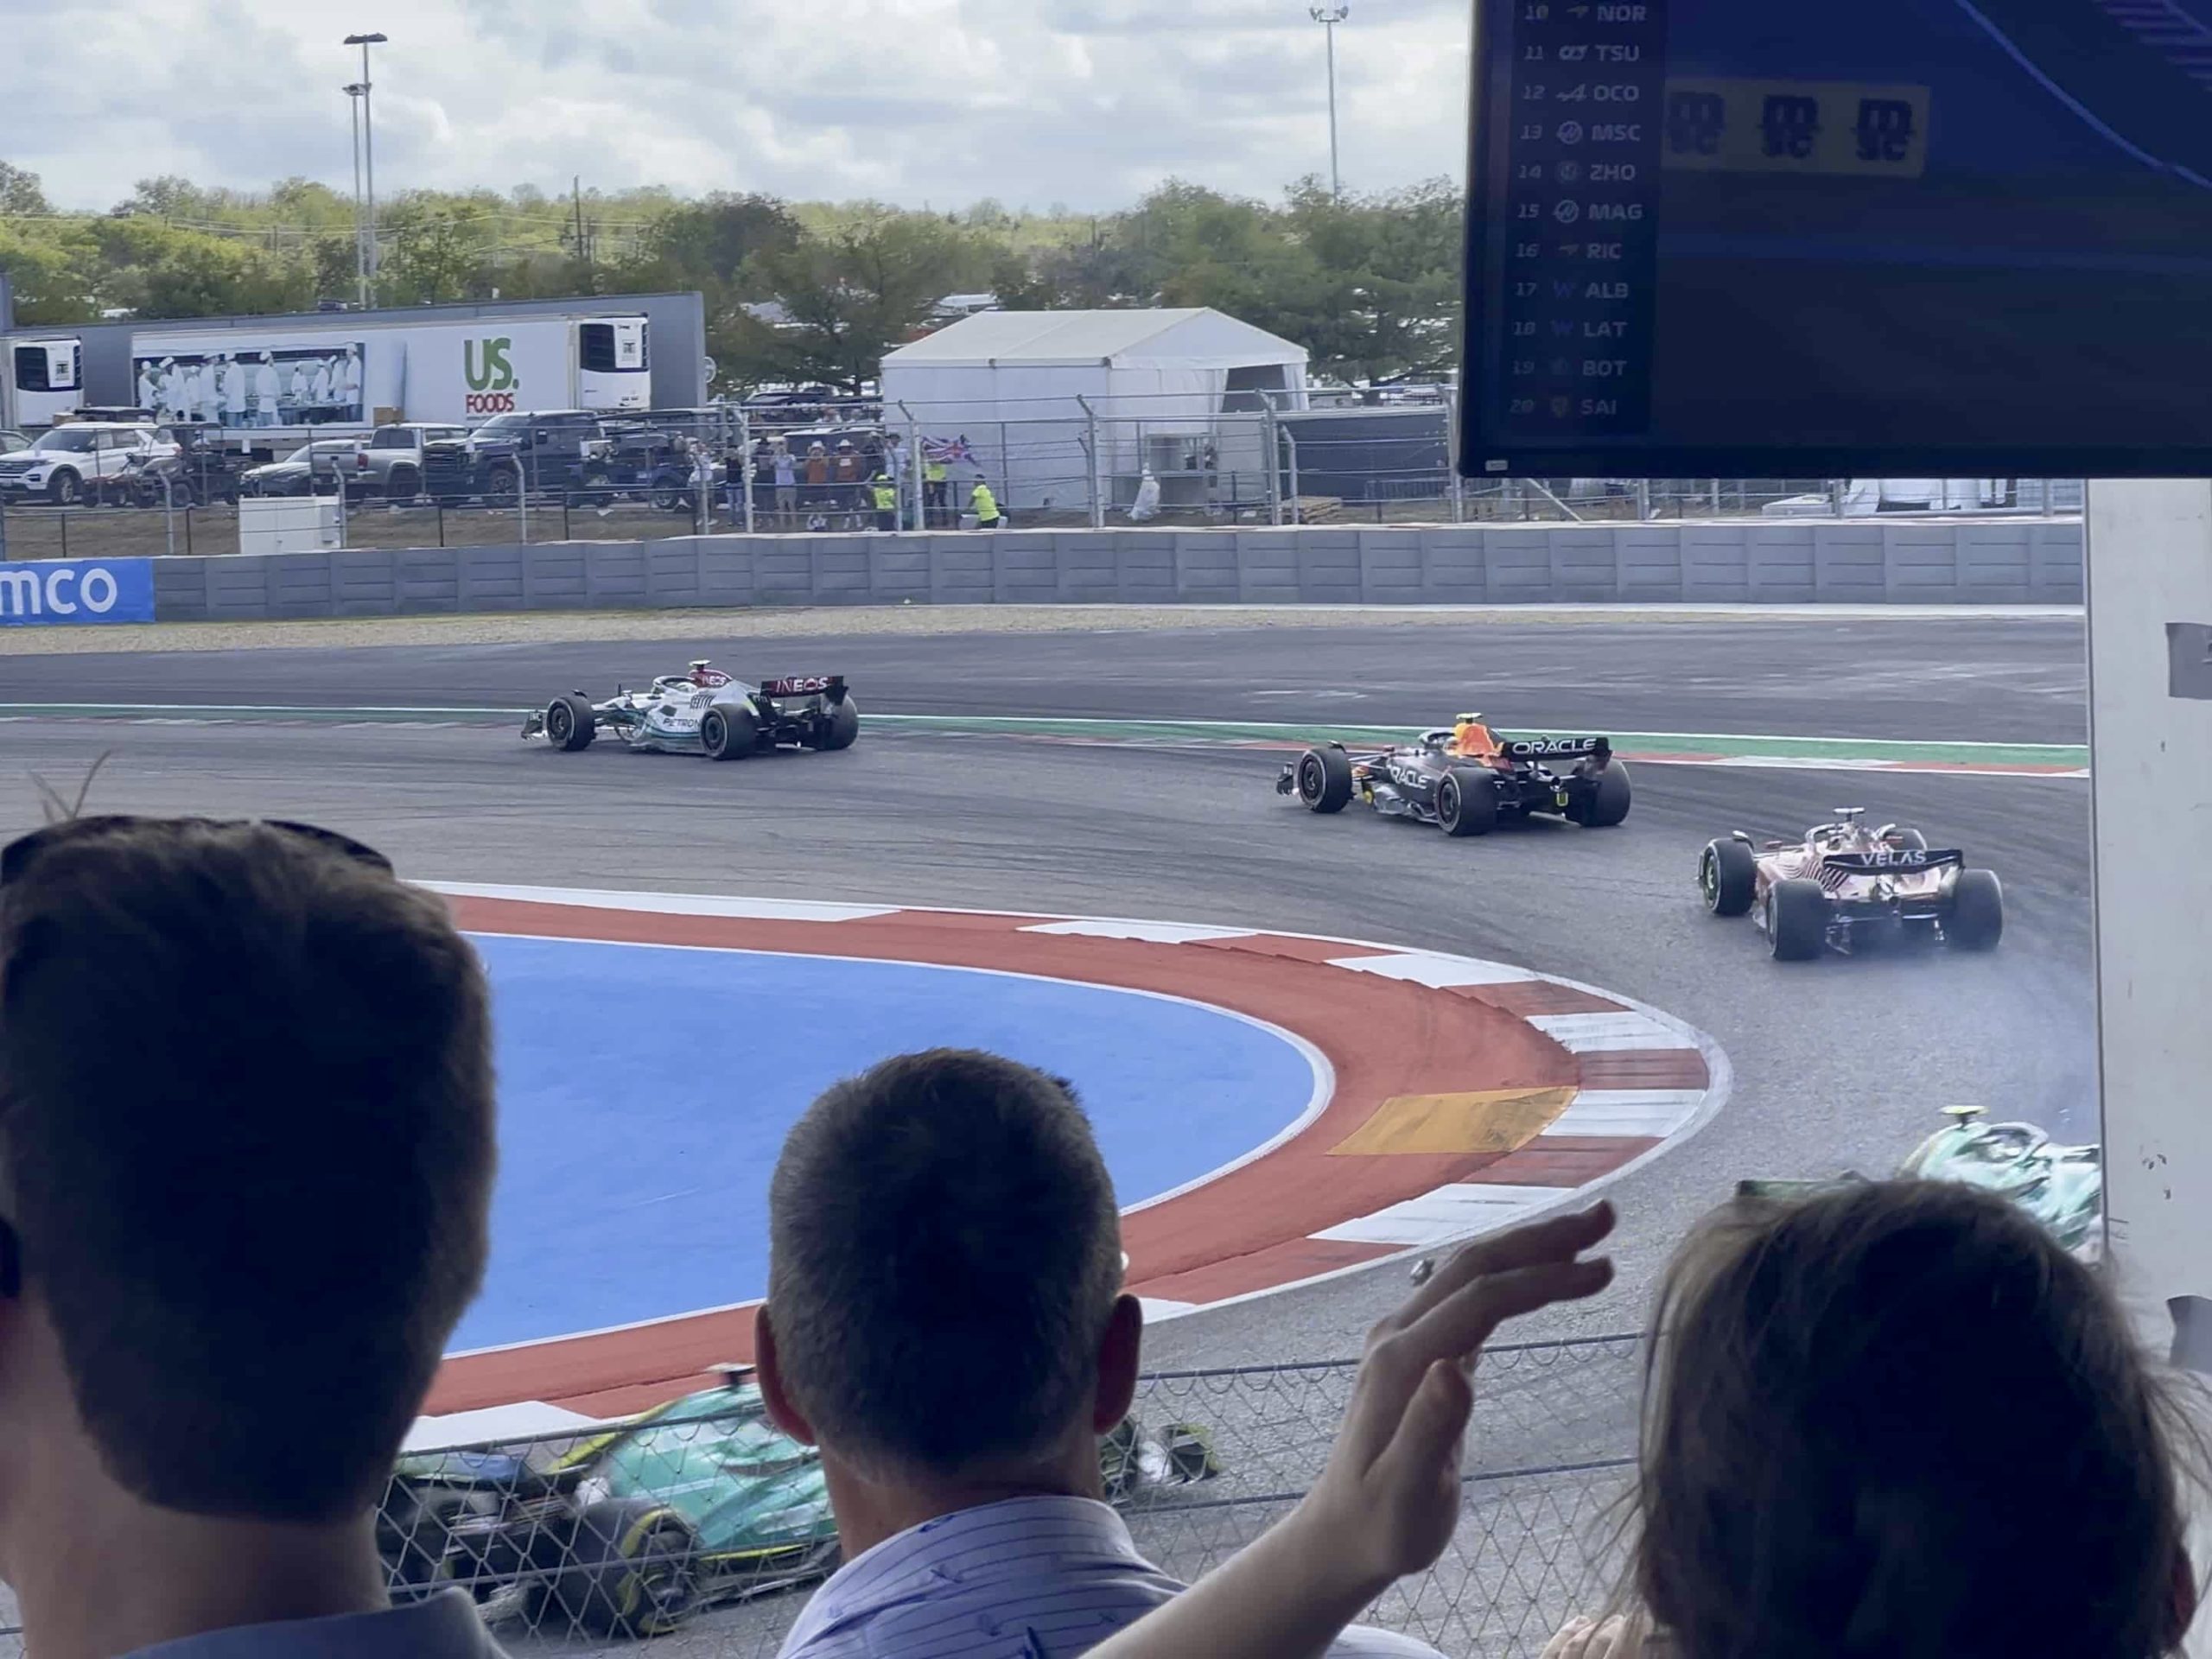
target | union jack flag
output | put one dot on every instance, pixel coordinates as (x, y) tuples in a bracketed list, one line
[(946, 451)]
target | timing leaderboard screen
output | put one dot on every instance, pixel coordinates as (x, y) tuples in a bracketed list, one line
[(1800, 238)]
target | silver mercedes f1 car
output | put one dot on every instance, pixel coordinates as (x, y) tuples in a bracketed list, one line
[(705, 711)]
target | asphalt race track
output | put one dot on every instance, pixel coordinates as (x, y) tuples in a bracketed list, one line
[(1839, 1063)]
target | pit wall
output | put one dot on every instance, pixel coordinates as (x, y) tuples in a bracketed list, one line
[(1946, 561)]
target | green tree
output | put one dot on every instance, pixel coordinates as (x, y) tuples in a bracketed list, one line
[(21, 191), (437, 253), (862, 291)]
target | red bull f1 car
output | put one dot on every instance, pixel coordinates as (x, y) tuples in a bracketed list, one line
[(1465, 778), (1846, 886), (705, 711)]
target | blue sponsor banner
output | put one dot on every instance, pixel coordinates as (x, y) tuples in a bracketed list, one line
[(62, 593)]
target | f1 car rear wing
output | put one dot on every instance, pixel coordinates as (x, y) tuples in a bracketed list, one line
[(831, 686), (1557, 748), (1892, 860)]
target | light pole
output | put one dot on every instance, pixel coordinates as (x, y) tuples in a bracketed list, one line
[(354, 94), (368, 167), (1329, 17)]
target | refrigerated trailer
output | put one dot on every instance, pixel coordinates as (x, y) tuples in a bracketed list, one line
[(41, 380), (289, 385), (454, 363)]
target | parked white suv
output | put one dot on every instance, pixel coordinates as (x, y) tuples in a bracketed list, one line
[(68, 464)]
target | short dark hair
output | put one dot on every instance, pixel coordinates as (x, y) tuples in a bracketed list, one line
[(945, 1255), (1871, 1413), (247, 1138)]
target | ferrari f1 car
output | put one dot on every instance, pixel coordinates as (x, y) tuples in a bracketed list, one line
[(1845, 887), (630, 1531), (705, 711), (1464, 778)]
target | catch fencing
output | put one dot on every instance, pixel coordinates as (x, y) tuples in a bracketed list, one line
[(1061, 463), (1550, 1461)]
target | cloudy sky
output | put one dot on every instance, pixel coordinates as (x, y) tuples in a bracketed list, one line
[(1083, 102)]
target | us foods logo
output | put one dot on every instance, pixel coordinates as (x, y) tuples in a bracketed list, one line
[(490, 369), (64, 590)]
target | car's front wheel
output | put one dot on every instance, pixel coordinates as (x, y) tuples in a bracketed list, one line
[(1728, 876), (1324, 780), (1467, 803), (64, 488), (569, 723)]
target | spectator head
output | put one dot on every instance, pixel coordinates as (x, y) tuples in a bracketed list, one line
[(945, 1276), (245, 1160), (1871, 1415)]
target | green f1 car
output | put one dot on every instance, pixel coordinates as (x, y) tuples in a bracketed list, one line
[(2063, 1188), (631, 1530)]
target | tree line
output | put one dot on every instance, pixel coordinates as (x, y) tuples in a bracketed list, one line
[(805, 292)]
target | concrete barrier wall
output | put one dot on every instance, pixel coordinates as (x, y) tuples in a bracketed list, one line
[(1894, 562)]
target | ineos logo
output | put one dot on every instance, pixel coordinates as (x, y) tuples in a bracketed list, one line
[(23, 592)]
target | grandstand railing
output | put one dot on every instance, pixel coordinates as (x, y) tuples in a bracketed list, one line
[(1550, 1460)]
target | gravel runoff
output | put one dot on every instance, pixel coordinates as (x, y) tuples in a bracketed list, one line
[(558, 627)]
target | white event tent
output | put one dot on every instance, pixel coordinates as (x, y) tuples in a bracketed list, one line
[(1027, 390)]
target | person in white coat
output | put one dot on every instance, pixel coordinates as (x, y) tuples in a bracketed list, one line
[(150, 387), (267, 387), (348, 389), (233, 393), (319, 380), (212, 377), (171, 392)]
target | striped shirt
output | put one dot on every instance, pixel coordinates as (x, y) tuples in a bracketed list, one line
[(1033, 1578), (446, 1626)]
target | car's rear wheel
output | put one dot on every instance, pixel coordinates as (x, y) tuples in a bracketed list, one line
[(729, 731), (633, 1571), (1977, 918), (1324, 780), (569, 723), (1728, 876), (1467, 803), (839, 726), (1796, 919), (1607, 802)]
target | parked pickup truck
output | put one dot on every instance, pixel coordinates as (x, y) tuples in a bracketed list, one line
[(390, 463), (562, 449)]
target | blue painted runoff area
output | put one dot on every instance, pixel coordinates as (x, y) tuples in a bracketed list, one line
[(645, 1092)]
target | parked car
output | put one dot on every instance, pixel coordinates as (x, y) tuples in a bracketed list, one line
[(560, 450), (390, 463), (72, 463), (312, 468), (11, 441)]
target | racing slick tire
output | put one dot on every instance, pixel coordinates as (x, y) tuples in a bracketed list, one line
[(839, 725), (1728, 875), (1977, 918), (1607, 802), (632, 1571), (569, 723), (729, 731), (1323, 778), (1467, 803), (1796, 919)]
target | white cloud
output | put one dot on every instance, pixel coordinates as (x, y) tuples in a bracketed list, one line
[(1086, 102)]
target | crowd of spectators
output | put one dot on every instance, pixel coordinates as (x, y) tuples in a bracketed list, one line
[(246, 1151)]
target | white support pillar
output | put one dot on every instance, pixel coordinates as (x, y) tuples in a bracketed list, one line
[(2150, 591)]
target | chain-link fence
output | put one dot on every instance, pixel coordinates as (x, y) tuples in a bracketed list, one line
[(702, 1525), (1064, 462)]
